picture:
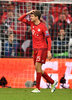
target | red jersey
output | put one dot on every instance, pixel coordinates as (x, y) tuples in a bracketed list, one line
[(39, 33)]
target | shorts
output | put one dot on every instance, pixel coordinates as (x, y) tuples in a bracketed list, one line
[(40, 55)]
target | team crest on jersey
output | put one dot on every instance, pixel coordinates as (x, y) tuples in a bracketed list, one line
[(38, 30), (33, 26)]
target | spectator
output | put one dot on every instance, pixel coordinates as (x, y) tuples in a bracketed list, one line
[(69, 31), (47, 18), (61, 45), (26, 50), (61, 23), (5, 9), (6, 23), (68, 16), (55, 10), (56, 16), (11, 46), (20, 30), (20, 34), (29, 7), (3, 12)]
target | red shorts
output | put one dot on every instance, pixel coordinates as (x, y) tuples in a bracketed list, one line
[(40, 55)]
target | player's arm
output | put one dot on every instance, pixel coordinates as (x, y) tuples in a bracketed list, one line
[(22, 18), (47, 35), (49, 48)]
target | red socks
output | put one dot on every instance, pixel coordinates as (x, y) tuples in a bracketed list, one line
[(38, 78), (45, 75), (48, 79)]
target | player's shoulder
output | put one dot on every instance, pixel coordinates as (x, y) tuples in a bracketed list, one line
[(43, 24)]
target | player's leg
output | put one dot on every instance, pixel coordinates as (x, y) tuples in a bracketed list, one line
[(50, 80), (40, 58), (38, 65), (45, 75), (47, 78), (38, 76)]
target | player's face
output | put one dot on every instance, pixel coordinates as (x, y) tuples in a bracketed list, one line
[(65, 12), (62, 32), (10, 14), (11, 37), (33, 18), (62, 17)]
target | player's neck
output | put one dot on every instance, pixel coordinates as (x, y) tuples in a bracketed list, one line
[(37, 22)]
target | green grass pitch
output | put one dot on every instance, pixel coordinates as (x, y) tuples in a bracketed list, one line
[(25, 94)]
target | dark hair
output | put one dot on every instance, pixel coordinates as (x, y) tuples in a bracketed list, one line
[(37, 13)]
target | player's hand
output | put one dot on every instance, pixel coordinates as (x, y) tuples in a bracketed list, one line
[(30, 12), (49, 55)]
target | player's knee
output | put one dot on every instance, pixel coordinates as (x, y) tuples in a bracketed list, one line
[(38, 67)]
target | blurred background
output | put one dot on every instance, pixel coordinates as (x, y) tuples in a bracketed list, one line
[(57, 17), (16, 41)]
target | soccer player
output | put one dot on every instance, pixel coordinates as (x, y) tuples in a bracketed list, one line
[(41, 49)]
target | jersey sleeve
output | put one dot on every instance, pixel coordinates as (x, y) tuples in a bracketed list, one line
[(24, 20), (49, 43), (47, 35), (45, 31)]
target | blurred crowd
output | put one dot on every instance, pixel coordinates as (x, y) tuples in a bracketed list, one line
[(15, 36)]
